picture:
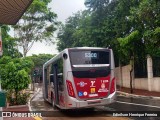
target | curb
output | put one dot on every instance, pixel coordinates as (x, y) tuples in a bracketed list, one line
[(17, 106), (34, 95), (120, 93)]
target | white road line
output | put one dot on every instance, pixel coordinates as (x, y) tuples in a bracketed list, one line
[(138, 104)]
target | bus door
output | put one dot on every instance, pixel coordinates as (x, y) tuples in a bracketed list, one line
[(59, 87), (56, 84)]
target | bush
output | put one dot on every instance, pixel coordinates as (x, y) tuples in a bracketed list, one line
[(22, 98), (15, 78)]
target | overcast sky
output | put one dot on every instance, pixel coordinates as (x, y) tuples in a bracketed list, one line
[(64, 9)]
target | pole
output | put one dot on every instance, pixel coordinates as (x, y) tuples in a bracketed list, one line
[(1, 118)]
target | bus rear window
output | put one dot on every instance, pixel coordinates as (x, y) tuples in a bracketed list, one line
[(89, 57)]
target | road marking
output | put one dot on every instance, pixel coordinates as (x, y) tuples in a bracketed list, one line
[(138, 104), (37, 118)]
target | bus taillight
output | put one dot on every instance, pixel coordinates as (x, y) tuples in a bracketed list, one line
[(70, 88), (112, 86)]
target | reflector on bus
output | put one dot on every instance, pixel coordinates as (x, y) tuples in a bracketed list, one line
[(70, 89)]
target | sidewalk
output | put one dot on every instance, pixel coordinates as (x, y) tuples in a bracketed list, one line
[(138, 92), (21, 110), (25, 109)]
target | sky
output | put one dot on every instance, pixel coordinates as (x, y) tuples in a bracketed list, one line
[(64, 9)]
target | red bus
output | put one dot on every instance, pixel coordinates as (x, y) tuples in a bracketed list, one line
[(80, 77)]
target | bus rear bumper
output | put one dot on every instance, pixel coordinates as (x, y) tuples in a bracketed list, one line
[(92, 103)]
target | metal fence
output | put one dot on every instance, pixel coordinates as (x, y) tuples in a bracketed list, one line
[(156, 66), (140, 68)]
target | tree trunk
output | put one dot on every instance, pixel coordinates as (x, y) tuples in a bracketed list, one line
[(24, 52), (120, 71), (16, 95), (131, 73), (25, 49), (131, 80)]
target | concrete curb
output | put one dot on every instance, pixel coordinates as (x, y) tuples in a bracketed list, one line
[(34, 95), (17, 106), (120, 93)]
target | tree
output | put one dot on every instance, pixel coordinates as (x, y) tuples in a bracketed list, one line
[(146, 19), (15, 74), (96, 5), (129, 46), (106, 21), (99, 26), (99, 13), (38, 61), (76, 31), (9, 43), (37, 24)]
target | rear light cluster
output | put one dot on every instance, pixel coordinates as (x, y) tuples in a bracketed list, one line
[(70, 89), (112, 89)]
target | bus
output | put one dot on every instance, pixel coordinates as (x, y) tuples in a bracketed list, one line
[(81, 77)]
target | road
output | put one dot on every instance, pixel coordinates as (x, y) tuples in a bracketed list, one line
[(132, 105)]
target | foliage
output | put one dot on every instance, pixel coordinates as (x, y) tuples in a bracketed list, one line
[(15, 74), (130, 27), (96, 5), (146, 19), (40, 59), (22, 98), (152, 41), (106, 22), (76, 31), (128, 44), (97, 26), (9, 43), (37, 24)]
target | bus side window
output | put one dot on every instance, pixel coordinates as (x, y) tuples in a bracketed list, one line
[(48, 74), (51, 77), (45, 77), (60, 74)]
